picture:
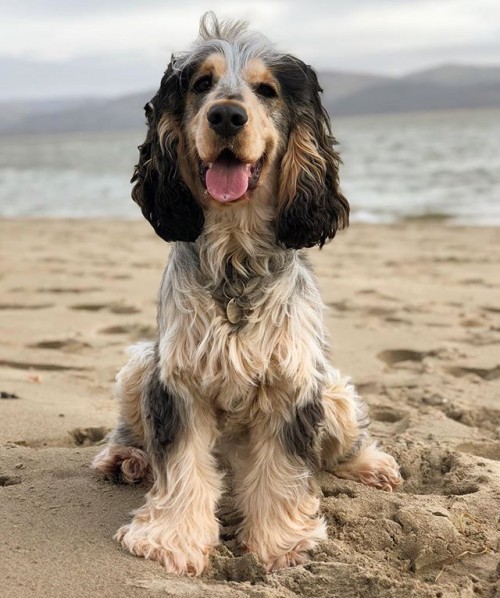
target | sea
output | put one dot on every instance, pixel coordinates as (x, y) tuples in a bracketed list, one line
[(395, 168)]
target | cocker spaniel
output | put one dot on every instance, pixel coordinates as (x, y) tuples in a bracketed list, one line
[(238, 168)]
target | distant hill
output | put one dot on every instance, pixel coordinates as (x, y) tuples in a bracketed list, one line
[(413, 96), (13, 113), (452, 75), (448, 87), (117, 114), (337, 84)]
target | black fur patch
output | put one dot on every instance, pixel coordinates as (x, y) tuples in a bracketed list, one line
[(159, 190), (163, 414), (319, 208), (301, 435), (124, 435), (312, 217)]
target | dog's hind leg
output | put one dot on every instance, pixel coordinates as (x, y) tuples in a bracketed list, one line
[(346, 449), (124, 458)]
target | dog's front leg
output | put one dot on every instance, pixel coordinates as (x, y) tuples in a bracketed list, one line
[(273, 487), (177, 525)]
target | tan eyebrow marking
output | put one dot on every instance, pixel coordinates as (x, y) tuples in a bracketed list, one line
[(257, 72), (214, 65)]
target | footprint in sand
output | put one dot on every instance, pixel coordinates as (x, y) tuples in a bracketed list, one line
[(370, 310), (388, 421), (397, 320), (484, 373), (7, 395), (6, 480), (432, 471), (123, 309), (89, 306), (46, 367), (17, 306), (377, 294), (69, 345), (472, 323), (68, 290), (136, 331), (120, 277), (340, 305), (393, 357), (387, 414), (77, 437), (88, 436), (379, 311), (114, 308)]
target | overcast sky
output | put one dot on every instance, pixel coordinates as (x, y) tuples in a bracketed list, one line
[(60, 48)]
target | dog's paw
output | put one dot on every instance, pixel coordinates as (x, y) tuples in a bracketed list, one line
[(124, 464), (372, 467), (181, 545), (179, 559), (293, 558), (289, 546)]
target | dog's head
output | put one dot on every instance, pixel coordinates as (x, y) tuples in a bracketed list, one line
[(235, 123)]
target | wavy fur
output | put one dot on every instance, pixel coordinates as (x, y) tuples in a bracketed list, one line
[(257, 387)]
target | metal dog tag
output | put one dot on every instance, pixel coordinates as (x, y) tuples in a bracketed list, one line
[(234, 311)]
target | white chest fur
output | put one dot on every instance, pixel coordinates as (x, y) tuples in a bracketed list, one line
[(278, 341)]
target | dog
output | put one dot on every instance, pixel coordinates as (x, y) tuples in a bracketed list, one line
[(239, 170)]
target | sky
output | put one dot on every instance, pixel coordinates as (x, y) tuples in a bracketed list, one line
[(72, 48)]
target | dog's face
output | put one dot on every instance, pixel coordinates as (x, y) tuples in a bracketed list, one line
[(235, 124), (232, 122)]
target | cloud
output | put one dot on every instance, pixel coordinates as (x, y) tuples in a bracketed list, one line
[(384, 36)]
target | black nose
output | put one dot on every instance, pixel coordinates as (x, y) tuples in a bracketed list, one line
[(227, 119)]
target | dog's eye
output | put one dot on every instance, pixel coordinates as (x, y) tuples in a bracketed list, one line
[(203, 84), (266, 91)]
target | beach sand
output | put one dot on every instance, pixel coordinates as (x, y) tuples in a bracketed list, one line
[(414, 318)]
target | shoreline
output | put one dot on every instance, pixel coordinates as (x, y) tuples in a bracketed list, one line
[(411, 221)]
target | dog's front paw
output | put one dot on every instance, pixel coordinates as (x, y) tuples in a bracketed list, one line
[(289, 546), (293, 558), (180, 560), (180, 548), (372, 467)]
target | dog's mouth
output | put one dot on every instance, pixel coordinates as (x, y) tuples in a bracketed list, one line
[(229, 178)]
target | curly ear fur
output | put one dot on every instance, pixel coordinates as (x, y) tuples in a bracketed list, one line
[(159, 190), (311, 206)]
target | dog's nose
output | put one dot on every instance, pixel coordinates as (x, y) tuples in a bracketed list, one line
[(227, 119)]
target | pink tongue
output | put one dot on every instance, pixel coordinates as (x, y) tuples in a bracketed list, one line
[(227, 180)]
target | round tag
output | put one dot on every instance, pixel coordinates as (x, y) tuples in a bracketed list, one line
[(234, 311)]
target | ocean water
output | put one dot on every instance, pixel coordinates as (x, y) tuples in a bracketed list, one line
[(396, 167)]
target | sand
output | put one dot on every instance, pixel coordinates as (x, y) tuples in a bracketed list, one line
[(414, 318)]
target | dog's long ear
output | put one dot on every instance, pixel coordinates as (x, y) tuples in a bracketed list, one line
[(159, 189), (311, 206)]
